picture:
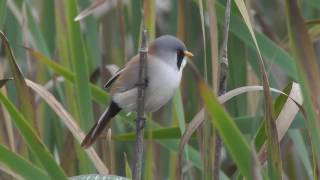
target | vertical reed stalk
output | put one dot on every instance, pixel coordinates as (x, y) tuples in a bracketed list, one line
[(223, 76), (140, 122)]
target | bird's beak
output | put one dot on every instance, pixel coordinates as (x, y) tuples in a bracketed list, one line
[(188, 54)]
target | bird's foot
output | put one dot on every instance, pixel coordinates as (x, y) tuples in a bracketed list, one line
[(143, 84), (141, 122)]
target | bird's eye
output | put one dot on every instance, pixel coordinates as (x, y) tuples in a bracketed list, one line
[(180, 56)]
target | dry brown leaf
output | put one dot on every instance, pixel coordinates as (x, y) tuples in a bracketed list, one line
[(286, 116)]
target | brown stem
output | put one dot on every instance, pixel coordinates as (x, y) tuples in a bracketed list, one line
[(140, 122), (223, 76)]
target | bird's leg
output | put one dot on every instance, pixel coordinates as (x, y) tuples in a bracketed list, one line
[(146, 82)]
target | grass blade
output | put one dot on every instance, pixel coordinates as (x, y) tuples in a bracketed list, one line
[(214, 43), (302, 151), (92, 39), (269, 50), (199, 118), (149, 15), (98, 94), (209, 156), (177, 102), (34, 28), (192, 126), (275, 163), (22, 89), (308, 71), (79, 63), (47, 27), (161, 133), (173, 145), (244, 123), (33, 141), (91, 9), (10, 172), (286, 107), (230, 134), (256, 168), (20, 165), (69, 122), (3, 12), (127, 167)]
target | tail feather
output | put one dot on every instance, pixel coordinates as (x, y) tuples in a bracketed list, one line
[(99, 126)]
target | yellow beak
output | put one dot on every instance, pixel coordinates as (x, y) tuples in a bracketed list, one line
[(188, 54)]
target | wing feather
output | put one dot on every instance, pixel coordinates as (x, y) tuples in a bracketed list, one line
[(128, 77), (112, 79)]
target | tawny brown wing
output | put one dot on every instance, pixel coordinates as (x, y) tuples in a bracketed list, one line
[(128, 77)]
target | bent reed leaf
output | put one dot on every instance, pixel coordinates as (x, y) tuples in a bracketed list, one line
[(23, 92), (98, 94), (275, 163), (308, 73), (69, 121), (286, 108), (292, 97), (33, 141)]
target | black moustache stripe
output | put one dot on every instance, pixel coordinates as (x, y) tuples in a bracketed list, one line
[(180, 57)]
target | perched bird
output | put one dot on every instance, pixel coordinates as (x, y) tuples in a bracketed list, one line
[(166, 60)]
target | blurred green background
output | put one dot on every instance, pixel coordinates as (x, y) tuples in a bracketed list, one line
[(73, 59)]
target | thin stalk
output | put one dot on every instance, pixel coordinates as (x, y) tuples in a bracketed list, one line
[(140, 122), (214, 42), (206, 143), (222, 87)]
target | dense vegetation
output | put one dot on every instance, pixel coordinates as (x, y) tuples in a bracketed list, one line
[(56, 56)]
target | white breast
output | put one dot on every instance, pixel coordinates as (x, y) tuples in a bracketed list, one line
[(163, 82)]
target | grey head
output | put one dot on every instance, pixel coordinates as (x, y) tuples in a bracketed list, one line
[(170, 49)]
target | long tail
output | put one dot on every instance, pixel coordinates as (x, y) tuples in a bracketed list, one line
[(97, 129)]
